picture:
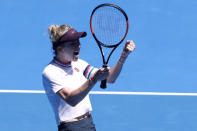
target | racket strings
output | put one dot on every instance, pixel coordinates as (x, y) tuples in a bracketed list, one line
[(109, 25)]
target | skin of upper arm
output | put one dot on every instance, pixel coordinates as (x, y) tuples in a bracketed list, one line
[(64, 93)]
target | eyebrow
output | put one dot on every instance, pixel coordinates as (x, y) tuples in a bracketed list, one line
[(73, 43)]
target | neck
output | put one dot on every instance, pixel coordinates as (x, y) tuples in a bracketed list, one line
[(61, 60)]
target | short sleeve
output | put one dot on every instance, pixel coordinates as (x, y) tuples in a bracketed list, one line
[(52, 80), (87, 69)]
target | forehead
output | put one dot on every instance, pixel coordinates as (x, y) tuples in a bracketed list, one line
[(72, 43)]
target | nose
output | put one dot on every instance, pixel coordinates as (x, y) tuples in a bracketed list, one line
[(78, 45)]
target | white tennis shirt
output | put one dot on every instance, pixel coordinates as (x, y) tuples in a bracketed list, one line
[(57, 76)]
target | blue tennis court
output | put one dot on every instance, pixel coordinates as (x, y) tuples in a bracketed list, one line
[(156, 90), (111, 112)]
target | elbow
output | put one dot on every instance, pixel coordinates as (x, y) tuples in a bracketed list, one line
[(67, 96), (72, 102)]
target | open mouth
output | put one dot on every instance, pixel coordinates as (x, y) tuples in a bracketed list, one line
[(76, 53)]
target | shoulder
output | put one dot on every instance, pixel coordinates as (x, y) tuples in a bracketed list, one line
[(80, 62), (51, 71)]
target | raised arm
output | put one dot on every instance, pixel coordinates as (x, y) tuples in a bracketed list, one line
[(116, 69)]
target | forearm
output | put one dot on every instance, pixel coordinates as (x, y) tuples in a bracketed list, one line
[(79, 94), (115, 70)]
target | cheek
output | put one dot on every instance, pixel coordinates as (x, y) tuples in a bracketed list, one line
[(68, 52)]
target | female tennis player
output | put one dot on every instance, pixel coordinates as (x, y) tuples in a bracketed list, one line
[(67, 79)]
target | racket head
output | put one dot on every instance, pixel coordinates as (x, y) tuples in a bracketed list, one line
[(109, 25)]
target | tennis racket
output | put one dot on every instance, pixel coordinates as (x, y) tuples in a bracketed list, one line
[(109, 26)]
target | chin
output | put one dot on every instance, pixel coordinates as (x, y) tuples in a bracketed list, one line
[(75, 59)]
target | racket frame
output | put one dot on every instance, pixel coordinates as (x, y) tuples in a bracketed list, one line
[(105, 62)]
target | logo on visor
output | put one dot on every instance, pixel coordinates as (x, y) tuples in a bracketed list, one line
[(73, 32)]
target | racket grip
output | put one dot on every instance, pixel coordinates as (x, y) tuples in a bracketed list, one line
[(103, 84)]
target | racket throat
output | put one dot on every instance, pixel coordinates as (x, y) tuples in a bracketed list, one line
[(105, 65)]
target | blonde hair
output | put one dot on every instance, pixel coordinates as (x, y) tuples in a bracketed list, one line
[(56, 31)]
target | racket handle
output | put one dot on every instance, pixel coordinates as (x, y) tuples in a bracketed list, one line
[(103, 84)]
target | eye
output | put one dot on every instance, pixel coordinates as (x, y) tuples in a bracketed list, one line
[(76, 43)]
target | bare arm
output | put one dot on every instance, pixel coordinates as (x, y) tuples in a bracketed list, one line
[(116, 69), (74, 97)]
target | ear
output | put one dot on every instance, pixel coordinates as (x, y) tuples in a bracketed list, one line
[(59, 49)]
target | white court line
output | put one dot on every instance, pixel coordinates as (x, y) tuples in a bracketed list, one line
[(22, 91), (108, 93)]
